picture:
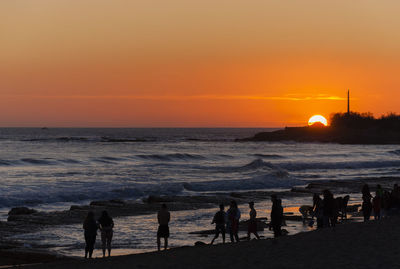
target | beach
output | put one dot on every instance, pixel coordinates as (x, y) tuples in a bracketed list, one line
[(61, 174), (354, 245)]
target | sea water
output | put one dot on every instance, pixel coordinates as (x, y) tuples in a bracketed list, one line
[(51, 168)]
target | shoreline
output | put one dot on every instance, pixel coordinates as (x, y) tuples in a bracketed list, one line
[(350, 245), (21, 226)]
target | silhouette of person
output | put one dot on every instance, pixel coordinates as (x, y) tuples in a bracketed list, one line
[(379, 191), (163, 217), (329, 209), (395, 196), (90, 227), (276, 215), (252, 225), (377, 205), (366, 204), (233, 221), (318, 210), (106, 225), (219, 220)]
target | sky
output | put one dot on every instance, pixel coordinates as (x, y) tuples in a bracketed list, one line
[(179, 63)]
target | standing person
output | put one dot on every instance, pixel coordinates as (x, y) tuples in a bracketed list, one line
[(233, 221), (252, 228), (385, 204), (219, 220), (366, 204), (318, 210), (276, 215), (395, 196), (377, 205), (163, 217), (90, 227), (379, 191), (106, 224), (329, 209)]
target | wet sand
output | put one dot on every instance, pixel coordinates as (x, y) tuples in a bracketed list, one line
[(353, 245)]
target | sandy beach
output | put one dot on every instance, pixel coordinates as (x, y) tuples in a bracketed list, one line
[(353, 245)]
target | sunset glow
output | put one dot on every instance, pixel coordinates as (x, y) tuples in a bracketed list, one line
[(317, 119), (195, 64)]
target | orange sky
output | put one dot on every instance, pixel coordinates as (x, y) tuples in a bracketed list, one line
[(178, 63)]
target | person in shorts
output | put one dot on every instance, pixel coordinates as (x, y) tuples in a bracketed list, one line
[(163, 218)]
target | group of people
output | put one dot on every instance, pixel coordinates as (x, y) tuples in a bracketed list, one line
[(90, 226), (326, 211), (224, 222), (229, 221), (381, 203)]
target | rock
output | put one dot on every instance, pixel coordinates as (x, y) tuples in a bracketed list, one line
[(109, 203), (21, 211), (199, 243), (79, 207)]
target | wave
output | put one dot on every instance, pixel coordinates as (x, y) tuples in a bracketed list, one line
[(69, 161), (171, 157), (259, 182), (298, 166), (70, 193), (259, 164), (395, 152), (38, 161), (125, 140), (57, 139), (5, 163), (269, 156), (89, 139)]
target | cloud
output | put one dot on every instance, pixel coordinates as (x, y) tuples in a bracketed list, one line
[(288, 97)]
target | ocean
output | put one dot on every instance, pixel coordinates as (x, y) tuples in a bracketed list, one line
[(52, 168)]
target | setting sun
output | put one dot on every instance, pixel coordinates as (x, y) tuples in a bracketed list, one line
[(317, 119)]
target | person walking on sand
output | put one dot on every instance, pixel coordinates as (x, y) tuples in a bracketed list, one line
[(252, 228), (233, 221), (163, 217), (90, 227), (276, 215), (219, 220), (106, 225)]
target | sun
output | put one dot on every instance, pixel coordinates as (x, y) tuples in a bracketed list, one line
[(317, 119)]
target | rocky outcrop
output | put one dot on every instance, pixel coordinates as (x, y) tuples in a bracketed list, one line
[(21, 211), (329, 135)]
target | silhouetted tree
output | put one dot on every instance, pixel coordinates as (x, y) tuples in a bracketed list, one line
[(355, 120)]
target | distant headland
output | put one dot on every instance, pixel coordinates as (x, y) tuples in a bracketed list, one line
[(344, 128)]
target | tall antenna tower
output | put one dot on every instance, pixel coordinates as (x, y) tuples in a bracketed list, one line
[(348, 102)]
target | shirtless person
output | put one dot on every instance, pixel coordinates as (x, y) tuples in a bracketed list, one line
[(163, 217), (252, 228)]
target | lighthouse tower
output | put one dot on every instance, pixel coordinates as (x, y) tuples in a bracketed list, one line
[(348, 102)]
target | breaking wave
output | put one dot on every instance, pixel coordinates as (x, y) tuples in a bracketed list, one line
[(171, 157), (258, 182)]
